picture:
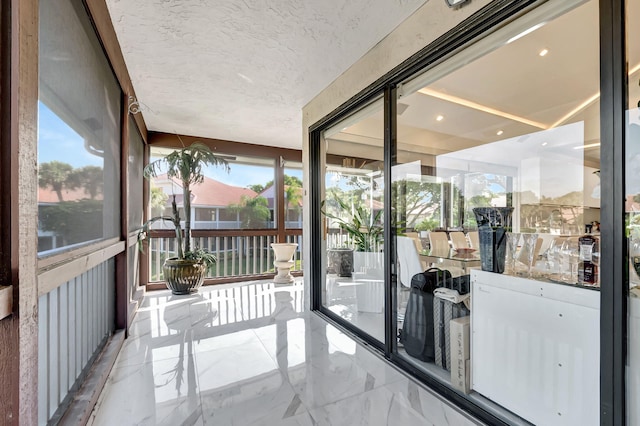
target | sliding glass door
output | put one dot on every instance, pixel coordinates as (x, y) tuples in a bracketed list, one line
[(505, 137), (632, 211), (352, 209)]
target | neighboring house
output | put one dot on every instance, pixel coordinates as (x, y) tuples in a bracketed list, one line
[(210, 202), (294, 207)]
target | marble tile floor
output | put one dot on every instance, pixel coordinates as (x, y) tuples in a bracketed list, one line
[(249, 354)]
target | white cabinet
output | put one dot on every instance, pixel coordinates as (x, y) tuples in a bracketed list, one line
[(535, 348)]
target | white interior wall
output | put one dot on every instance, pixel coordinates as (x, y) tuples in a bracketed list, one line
[(429, 22)]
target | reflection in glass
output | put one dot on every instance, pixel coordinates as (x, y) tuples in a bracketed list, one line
[(494, 139), (293, 195), (513, 239), (570, 252), (554, 257), (136, 180), (79, 132), (632, 208), (70, 196), (529, 242), (353, 211)]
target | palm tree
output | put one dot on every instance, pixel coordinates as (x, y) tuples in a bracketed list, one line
[(157, 200), (91, 178), (253, 211), (292, 196), (257, 188), (292, 191), (58, 175)]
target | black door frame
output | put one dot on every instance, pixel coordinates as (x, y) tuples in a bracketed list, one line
[(613, 271)]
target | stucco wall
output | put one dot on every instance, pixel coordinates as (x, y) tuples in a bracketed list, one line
[(429, 22)]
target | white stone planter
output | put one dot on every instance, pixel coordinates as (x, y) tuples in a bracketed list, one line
[(283, 261)]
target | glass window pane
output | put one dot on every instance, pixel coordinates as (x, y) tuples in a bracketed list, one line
[(632, 207), (78, 132), (136, 180), (242, 198), (353, 206), (498, 163), (293, 195)]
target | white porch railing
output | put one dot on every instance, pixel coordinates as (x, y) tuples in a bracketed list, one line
[(336, 239), (238, 255)]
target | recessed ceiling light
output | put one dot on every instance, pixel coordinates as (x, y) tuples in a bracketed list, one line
[(499, 132), (479, 107), (545, 143), (439, 118), (543, 52)]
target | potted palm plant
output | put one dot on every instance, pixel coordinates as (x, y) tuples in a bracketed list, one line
[(365, 232), (185, 273)]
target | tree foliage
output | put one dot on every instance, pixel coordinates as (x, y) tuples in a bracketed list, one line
[(418, 201), (74, 221), (90, 178), (58, 175), (363, 226), (257, 188), (254, 211), (157, 201), (289, 181)]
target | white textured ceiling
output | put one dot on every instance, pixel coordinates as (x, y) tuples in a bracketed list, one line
[(243, 70)]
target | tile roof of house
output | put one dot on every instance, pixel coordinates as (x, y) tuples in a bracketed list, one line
[(213, 193), (48, 195)]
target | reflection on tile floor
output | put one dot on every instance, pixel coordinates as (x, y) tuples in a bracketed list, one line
[(249, 354)]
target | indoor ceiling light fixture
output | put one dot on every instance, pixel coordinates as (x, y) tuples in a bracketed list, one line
[(589, 145), (439, 118), (479, 107), (588, 102), (469, 104), (576, 110), (543, 52), (545, 143), (525, 32), (499, 132)]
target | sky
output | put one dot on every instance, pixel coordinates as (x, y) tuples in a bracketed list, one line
[(57, 141), (243, 175)]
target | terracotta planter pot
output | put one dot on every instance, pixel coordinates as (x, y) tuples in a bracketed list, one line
[(183, 276)]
